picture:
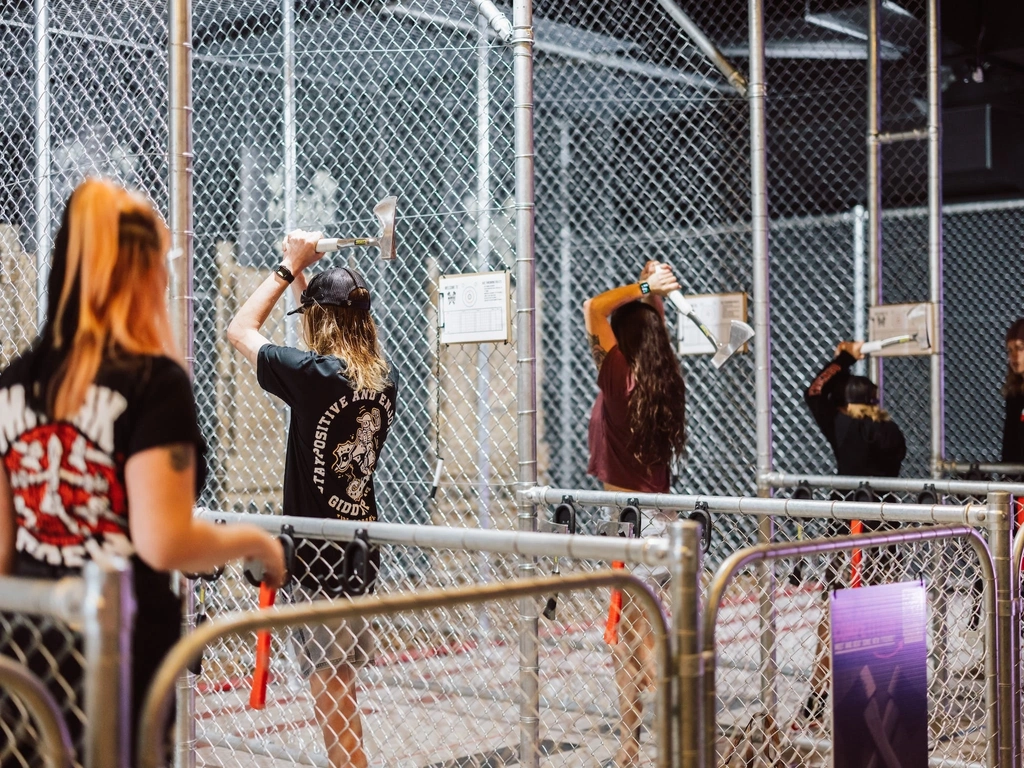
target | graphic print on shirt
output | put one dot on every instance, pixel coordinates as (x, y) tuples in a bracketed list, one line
[(360, 454), (68, 500)]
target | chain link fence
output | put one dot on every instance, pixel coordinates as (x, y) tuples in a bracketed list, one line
[(796, 672)]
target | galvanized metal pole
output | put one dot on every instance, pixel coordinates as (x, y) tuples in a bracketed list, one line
[(179, 183), (180, 215), (568, 317), (935, 261), (44, 202), (999, 543), (685, 554), (109, 614), (762, 338), (860, 322), (874, 177), (526, 365), (289, 160), (483, 256)]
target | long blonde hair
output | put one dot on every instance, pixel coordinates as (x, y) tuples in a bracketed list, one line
[(107, 289), (351, 335)]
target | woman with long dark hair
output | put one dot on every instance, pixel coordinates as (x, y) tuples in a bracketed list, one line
[(637, 427), (100, 449)]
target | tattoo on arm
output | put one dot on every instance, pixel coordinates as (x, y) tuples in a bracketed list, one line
[(182, 455), (597, 350)]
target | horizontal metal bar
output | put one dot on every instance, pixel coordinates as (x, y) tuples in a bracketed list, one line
[(984, 467), (647, 551), (53, 739), (189, 648), (894, 484), (62, 599), (917, 134), (937, 514)]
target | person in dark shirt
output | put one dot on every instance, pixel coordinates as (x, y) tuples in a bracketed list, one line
[(342, 395), (100, 450), (636, 427), (1013, 393), (866, 442)]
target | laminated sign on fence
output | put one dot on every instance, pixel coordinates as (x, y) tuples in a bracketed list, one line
[(475, 308), (880, 676), (717, 310)]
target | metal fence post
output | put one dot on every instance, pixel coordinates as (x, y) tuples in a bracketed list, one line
[(526, 366), (109, 614), (685, 553), (998, 525)]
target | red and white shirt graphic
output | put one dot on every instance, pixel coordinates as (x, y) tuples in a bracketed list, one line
[(68, 490)]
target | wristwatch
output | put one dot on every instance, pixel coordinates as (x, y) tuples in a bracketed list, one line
[(644, 288), (284, 273)]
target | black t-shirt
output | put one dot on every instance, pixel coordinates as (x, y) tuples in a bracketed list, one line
[(862, 447), (335, 437), (1013, 430), (67, 479)]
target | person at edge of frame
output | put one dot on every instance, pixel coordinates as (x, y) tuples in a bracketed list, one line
[(1013, 393), (866, 442), (636, 428), (101, 452), (342, 395)]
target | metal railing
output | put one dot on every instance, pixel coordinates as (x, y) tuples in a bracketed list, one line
[(54, 743), (158, 701), (999, 748), (96, 610)]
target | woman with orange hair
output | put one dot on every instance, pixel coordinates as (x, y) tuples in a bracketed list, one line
[(100, 449)]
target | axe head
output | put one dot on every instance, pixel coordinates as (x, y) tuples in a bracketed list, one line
[(739, 334), (385, 212)]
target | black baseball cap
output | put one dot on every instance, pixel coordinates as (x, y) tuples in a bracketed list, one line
[(334, 288)]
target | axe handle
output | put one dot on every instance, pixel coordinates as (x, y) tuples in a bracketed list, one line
[(680, 303), (261, 675), (329, 244), (870, 347)]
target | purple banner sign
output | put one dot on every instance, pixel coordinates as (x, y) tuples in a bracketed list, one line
[(880, 676)]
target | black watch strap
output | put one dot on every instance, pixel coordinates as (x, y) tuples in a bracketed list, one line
[(284, 273), (645, 288)]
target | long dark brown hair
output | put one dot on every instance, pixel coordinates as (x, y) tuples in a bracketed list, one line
[(657, 404), (1013, 385), (351, 335)]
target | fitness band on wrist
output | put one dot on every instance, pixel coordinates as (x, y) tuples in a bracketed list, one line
[(644, 288), (284, 273)]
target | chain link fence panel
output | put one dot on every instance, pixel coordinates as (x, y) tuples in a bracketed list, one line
[(800, 730), (444, 687)]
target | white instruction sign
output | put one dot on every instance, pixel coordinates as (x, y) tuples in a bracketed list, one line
[(717, 310), (475, 308), (891, 320)]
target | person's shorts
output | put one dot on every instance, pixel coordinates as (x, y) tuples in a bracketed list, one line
[(328, 646)]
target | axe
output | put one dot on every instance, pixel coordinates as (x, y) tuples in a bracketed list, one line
[(385, 241), (739, 333)]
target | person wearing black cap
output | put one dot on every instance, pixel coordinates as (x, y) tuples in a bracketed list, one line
[(342, 395)]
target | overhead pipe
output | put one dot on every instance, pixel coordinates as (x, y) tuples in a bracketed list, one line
[(698, 38)]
